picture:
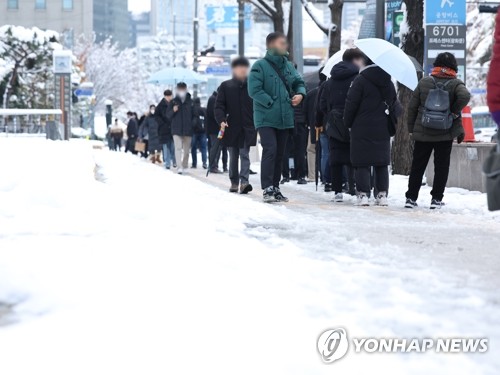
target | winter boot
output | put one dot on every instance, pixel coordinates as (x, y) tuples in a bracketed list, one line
[(410, 203), (233, 188), (363, 200), (285, 180), (339, 198), (269, 195), (328, 188), (436, 204), (278, 196), (245, 188), (302, 181), (381, 199)]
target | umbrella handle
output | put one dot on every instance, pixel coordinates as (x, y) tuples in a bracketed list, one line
[(318, 133)]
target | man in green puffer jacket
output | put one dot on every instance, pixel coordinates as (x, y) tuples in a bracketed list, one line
[(275, 87)]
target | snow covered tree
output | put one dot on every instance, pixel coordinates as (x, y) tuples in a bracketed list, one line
[(116, 75), (26, 65), (412, 43), (480, 27), (332, 29), (274, 10)]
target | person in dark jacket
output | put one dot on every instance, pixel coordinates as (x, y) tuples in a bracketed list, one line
[(132, 133), (213, 131), (367, 115), (310, 108), (165, 131), (149, 131), (276, 87), (234, 114), (295, 155), (116, 134), (428, 140), (332, 104), (182, 116), (199, 136)]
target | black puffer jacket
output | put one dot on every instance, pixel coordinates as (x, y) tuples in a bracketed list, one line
[(459, 98), (184, 120), (334, 94), (164, 131), (365, 115), (235, 106)]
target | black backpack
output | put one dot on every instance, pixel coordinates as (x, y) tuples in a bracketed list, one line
[(437, 113)]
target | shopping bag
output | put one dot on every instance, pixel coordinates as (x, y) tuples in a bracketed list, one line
[(140, 146)]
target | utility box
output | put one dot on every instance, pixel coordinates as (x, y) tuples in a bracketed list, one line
[(466, 167)]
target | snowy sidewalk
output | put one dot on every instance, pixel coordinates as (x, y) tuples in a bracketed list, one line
[(154, 273)]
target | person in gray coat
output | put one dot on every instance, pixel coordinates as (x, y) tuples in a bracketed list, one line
[(183, 116)]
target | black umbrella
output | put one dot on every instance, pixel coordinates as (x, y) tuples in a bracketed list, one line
[(215, 150)]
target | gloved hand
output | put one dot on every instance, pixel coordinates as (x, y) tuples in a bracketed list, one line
[(460, 138)]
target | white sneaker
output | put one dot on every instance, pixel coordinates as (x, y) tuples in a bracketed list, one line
[(339, 198), (180, 170), (382, 199), (363, 200)]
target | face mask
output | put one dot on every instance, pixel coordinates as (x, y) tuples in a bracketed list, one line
[(182, 94), (152, 111), (277, 52)]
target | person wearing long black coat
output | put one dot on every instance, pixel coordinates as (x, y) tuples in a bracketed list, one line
[(310, 111), (234, 113), (367, 115), (332, 105), (165, 130), (132, 133), (212, 132)]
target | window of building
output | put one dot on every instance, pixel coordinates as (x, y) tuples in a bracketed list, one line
[(67, 4), (12, 4), (40, 4)]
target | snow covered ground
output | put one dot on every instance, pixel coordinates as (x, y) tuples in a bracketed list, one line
[(147, 272)]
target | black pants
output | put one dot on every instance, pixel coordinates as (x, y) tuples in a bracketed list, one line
[(340, 165), (421, 156), (364, 179), (273, 143)]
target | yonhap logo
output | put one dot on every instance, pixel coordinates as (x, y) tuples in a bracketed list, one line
[(333, 345)]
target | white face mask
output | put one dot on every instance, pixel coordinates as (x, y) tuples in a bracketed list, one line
[(152, 111), (182, 94)]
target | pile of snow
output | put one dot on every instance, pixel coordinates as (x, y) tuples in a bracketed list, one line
[(153, 273)]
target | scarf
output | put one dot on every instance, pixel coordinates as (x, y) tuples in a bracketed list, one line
[(442, 72)]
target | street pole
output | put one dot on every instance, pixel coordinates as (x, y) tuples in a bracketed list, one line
[(380, 21), (298, 49), (241, 27), (173, 35), (196, 26)]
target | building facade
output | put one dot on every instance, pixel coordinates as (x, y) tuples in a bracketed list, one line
[(111, 19), (71, 18), (174, 16), (140, 26)]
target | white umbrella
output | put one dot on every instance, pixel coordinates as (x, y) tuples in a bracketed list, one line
[(391, 59), (332, 61)]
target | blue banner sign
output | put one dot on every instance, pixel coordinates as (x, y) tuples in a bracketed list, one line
[(226, 17), (445, 12)]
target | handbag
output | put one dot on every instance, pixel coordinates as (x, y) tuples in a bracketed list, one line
[(491, 169), (393, 111), (140, 146), (336, 128)]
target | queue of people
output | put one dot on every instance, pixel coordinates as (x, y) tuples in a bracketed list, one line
[(352, 117)]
